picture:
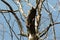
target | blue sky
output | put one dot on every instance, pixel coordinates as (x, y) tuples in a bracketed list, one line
[(26, 8)]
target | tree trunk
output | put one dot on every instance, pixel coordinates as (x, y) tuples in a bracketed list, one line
[(32, 37)]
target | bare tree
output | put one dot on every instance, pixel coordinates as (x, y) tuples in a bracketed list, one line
[(38, 16)]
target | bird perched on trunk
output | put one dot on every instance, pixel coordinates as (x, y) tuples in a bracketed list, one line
[(31, 20)]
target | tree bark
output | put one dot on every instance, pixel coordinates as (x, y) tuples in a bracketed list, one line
[(33, 37)]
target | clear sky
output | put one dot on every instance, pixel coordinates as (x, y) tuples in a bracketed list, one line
[(44, 22)]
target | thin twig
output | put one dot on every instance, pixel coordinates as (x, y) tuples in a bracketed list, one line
[(6, 11), (52, 22), (10, 26)]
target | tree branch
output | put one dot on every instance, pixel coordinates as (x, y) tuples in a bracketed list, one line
[(10, 26), (38, 17), (6, 11), (46, 30), (51, 20), (18, 21), (20, 7), (23, 34)]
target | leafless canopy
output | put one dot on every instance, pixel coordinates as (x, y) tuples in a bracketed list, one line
[(38, 21)]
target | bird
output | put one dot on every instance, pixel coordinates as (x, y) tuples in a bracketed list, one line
[(31, 21)]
